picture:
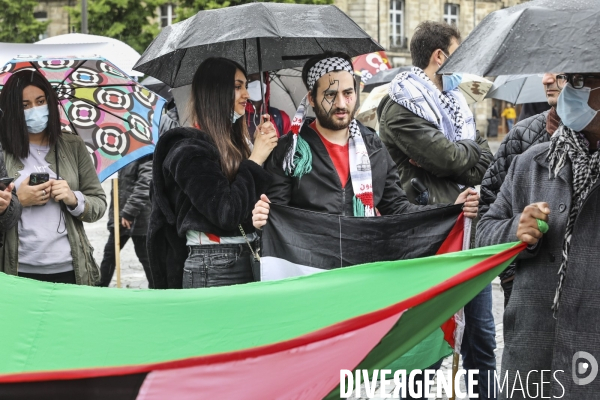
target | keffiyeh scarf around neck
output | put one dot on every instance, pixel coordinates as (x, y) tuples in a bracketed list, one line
[(568, 144), (298, 157), (448, 111)]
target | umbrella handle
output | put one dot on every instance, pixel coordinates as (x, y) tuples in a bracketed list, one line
[(262, 80)]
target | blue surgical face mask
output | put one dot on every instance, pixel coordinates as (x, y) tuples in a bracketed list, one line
[(451, 82), (235, 116), (573, 108), (36, 119)]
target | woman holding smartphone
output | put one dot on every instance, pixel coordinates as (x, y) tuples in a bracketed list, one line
[(205, 183), (56, 184)]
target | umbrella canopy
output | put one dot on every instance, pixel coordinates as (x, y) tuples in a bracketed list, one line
[(260, 36), (8, 51), (116, 117), (518, 89), (158, 87), (120, 54), (383, 77), (287, 90), (534, 37), (474, 87), (367, 114)]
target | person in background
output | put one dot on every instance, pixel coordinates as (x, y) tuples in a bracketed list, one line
[(495, 113), (429, 130), (49, 243), (525, 134), (134, 205), (531, 109), (255, 108), (206, 180), (510, 114)]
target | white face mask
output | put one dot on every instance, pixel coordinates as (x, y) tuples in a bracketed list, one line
[(254, 90), (36, 119)]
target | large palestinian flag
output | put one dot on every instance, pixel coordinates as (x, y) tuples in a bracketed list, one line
[(285, 339)]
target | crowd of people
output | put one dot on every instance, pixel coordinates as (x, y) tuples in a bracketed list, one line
[(194, 210)]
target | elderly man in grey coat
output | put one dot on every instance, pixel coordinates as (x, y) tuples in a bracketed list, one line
[(552, 320)]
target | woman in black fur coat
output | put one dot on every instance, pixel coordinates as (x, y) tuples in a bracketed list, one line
[(205, 183)]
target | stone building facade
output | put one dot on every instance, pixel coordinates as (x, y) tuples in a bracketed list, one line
[(54, 11)]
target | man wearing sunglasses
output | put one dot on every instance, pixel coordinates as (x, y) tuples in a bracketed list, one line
[(552, 314), (526, 133)]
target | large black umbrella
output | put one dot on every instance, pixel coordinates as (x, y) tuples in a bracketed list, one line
[(260, 36), (535, 37), (383, 77)]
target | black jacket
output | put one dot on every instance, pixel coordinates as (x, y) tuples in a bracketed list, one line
[(444, 165), (134, 196), (524, 134), (321, 190), (190, 192)]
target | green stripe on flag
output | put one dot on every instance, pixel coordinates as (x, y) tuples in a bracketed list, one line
[(55, 327), (402, 339)]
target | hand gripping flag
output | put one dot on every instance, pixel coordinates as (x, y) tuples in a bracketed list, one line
[(285, 339)]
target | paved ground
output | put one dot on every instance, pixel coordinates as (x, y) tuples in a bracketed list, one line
[(132, 273)]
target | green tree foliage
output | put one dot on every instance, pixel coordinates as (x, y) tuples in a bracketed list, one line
[(131, 21), (17, 24), (187, 8)]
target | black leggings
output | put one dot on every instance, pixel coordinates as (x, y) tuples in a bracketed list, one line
[(61, 277)]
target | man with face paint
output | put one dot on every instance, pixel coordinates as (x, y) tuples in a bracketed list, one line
[(334, 164), (525, 134), (255, 108), (429, 130), (555, 292)]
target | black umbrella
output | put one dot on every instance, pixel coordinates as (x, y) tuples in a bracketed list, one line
[(383, 77), (535, 37), (157, 87), (260, 36)]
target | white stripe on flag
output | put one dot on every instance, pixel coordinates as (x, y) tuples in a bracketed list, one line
[(274, 268)]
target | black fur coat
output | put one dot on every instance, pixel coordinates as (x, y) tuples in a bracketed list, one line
[(190, 192)]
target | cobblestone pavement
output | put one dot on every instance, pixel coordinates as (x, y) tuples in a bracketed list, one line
[(132, 275)]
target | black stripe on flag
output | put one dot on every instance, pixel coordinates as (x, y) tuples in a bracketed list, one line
[(122, 387), (327, 241)]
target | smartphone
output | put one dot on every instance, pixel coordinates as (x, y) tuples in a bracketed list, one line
[(4, 182), (37, 178)]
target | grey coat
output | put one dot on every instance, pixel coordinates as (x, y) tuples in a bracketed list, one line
[(534, 340)]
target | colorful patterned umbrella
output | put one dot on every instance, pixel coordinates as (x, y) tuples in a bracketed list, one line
[(116, 117)]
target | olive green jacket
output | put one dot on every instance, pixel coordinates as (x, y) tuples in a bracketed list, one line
[(443, 165), (77, 169)]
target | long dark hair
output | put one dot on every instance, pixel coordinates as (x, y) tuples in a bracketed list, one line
[(213, 95), (13, 129)]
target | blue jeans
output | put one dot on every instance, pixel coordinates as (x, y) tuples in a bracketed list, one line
[(218, 265), (510, 123), (479, 341)]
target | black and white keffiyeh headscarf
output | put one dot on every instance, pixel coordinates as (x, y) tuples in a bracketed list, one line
[(568, 144), (298, 157), (448, 111)]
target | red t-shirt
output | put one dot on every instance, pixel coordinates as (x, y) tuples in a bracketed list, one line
[(338, 154)]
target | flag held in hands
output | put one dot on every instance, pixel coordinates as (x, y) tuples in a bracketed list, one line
[(280, 339)]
